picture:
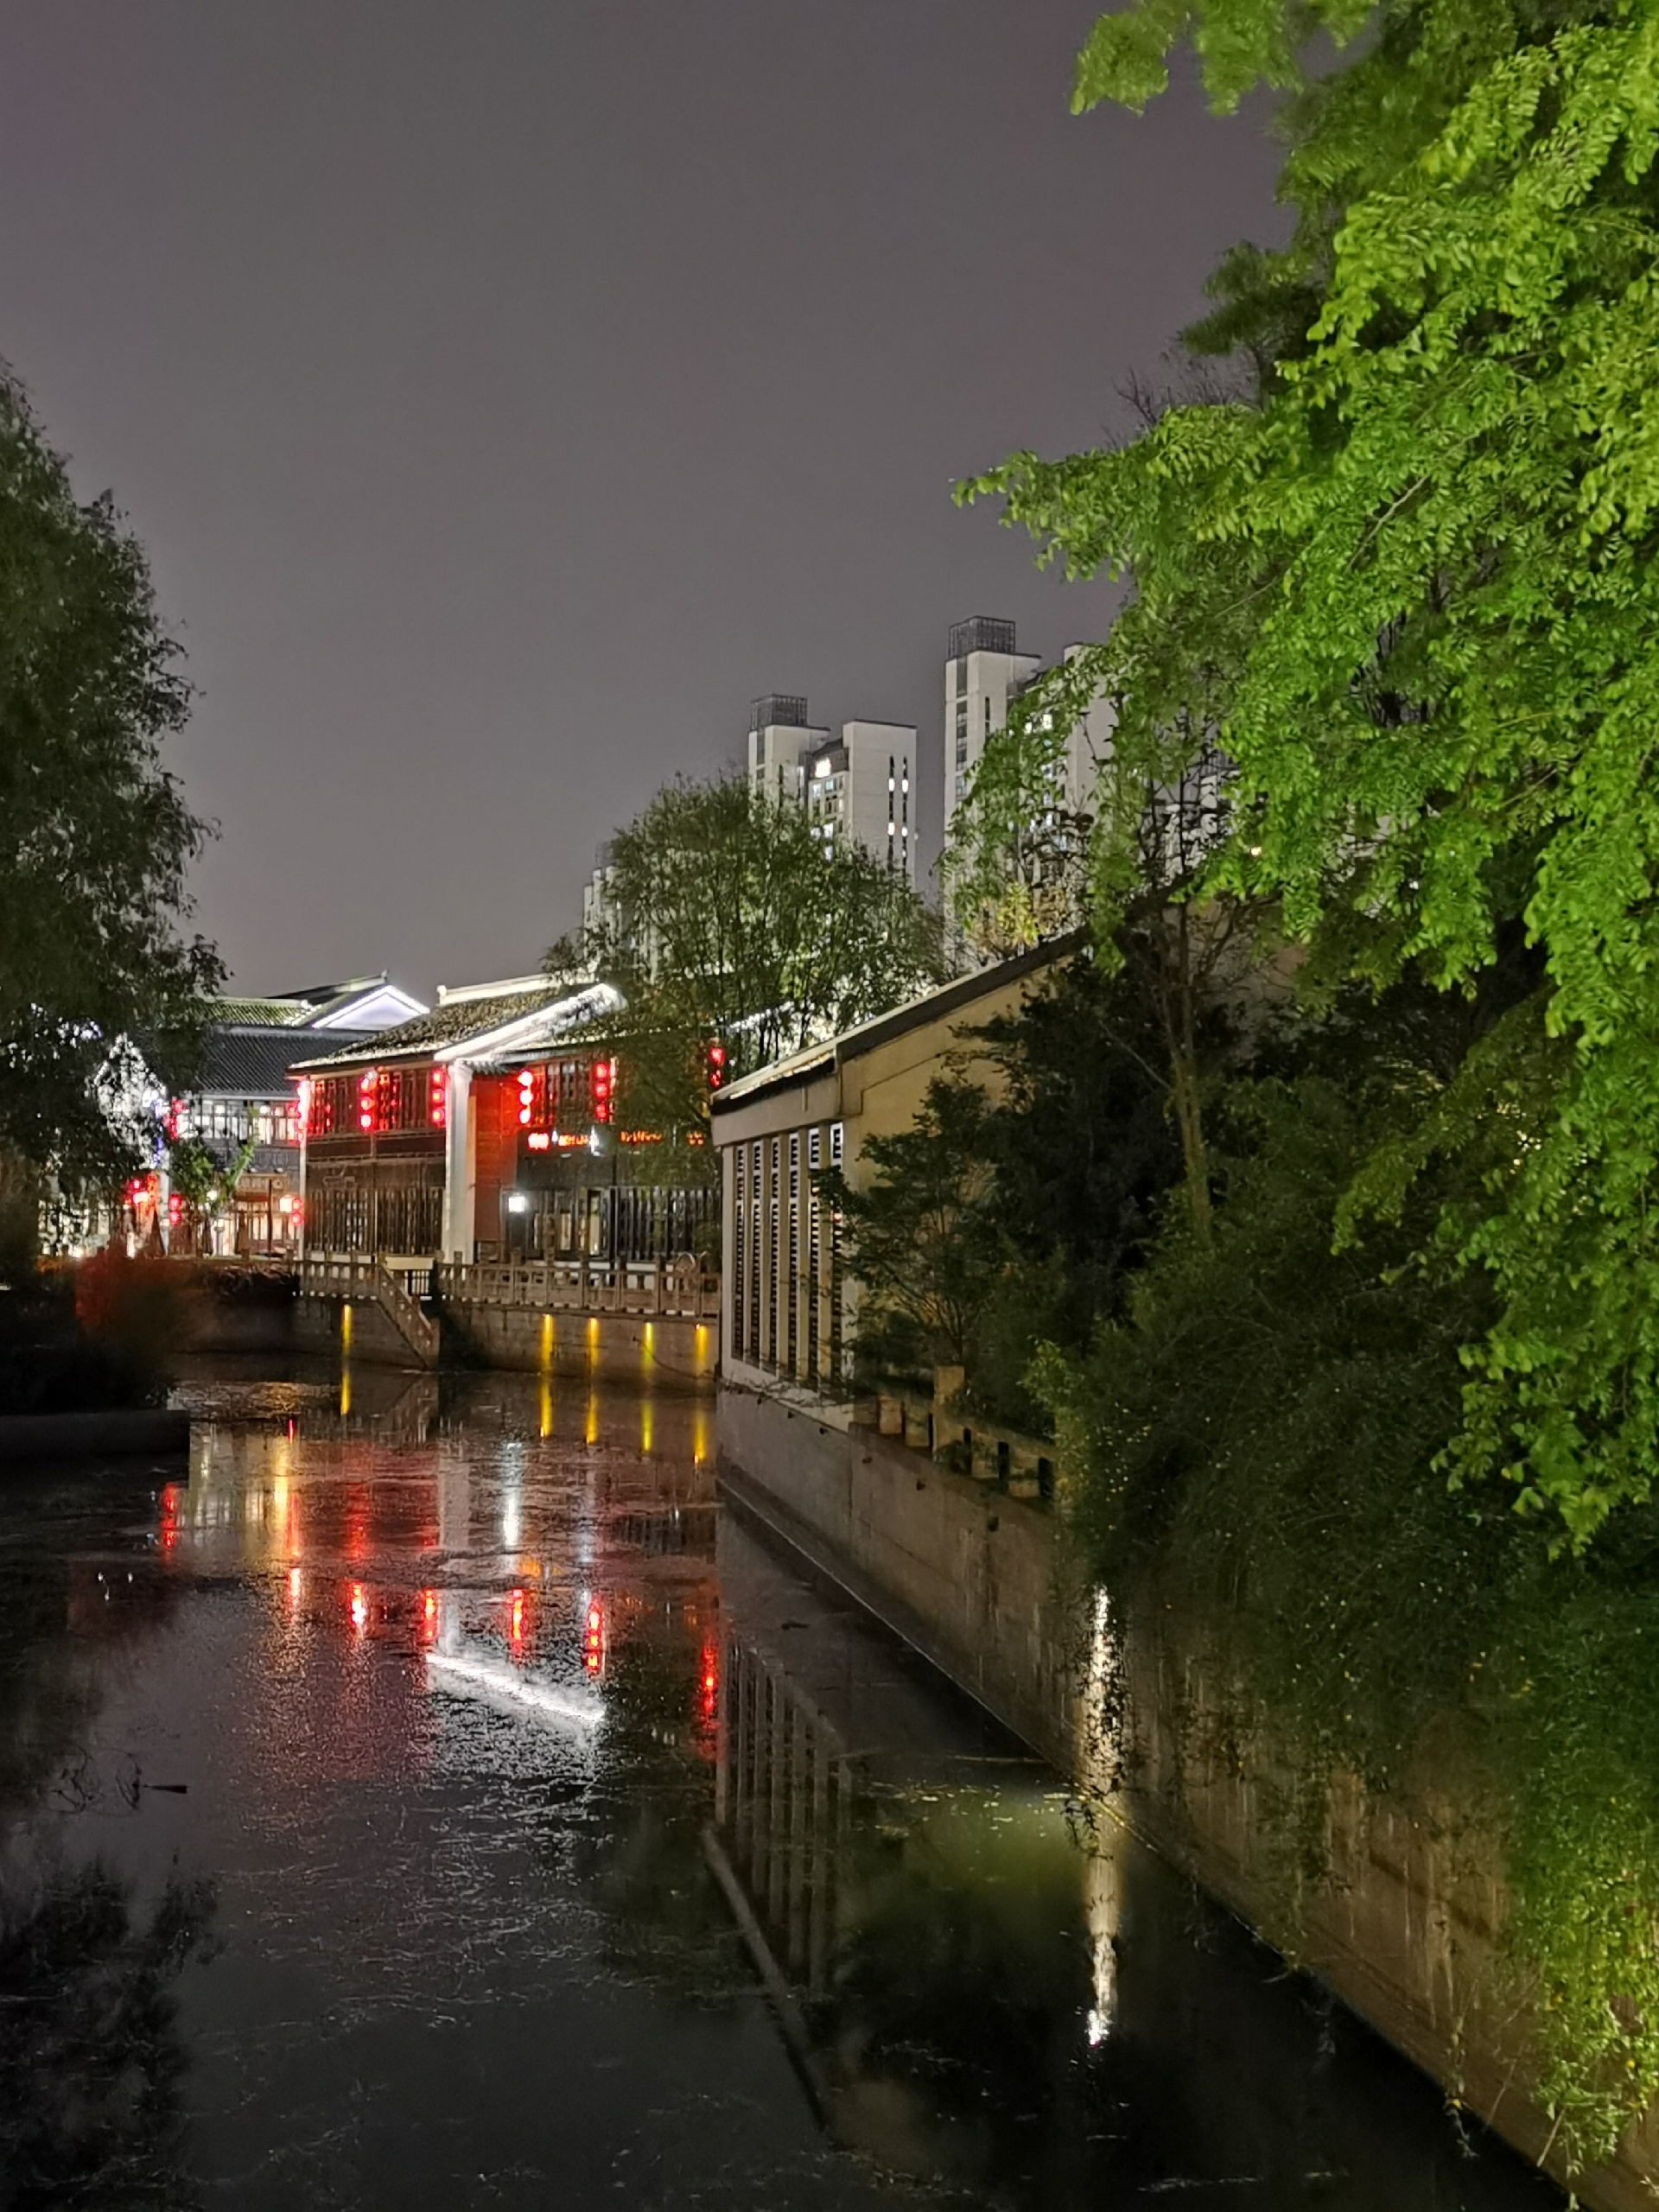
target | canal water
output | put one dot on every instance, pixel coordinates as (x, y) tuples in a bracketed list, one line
[(446, 1803)]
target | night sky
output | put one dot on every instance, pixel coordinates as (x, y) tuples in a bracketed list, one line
[(508, 390)]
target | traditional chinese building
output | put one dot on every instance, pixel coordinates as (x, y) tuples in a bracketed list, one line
[(485, 1130), (245, 1099)]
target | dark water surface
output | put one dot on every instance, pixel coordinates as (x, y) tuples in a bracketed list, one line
[(404, 1810)]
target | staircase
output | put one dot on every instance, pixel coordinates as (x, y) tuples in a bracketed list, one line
[(361, 1277)]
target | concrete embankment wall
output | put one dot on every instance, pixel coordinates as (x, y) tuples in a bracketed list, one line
[(973, 1578), (615, 1347), (1407, 1928), (670, 1354)]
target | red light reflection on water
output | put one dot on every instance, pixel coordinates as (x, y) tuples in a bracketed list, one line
[(515, 1623), (708, 1685), (359, 1607), (429, 1615), (168, 1532), (593, 1641)]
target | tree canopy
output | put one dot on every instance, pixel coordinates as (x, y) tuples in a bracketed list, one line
[(728, 923), (95, 836), (1428, 534)]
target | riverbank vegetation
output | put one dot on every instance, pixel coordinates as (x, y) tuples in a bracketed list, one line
[(1370, 1389), (95, 836)]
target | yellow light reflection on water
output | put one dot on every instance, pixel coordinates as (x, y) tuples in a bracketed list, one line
[(345, 1391), (700, 1435), (547, 1405), (644, 1425), (591, 1433)]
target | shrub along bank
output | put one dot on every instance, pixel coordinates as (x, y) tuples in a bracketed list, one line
[(1252, 1416)]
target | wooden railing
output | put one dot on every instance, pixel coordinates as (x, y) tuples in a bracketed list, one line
[(364, 1276), (671, 1289)]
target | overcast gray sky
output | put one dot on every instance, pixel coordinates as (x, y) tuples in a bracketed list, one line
[(508, 390)]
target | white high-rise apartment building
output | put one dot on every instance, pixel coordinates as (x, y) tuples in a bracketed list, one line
[(859, 784), (780, 735), (984, 673), (862, 785)]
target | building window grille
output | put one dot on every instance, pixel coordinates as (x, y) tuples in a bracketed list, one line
[(740, 1223), (792, 1329), (754, 1252), (772, 1254), (814, 1286), (837, 1270)]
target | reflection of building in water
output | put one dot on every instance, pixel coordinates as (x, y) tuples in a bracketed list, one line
[(784, 1799)]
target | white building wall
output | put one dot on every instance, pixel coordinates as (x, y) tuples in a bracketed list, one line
[(862, 785), (777, 739), (980, 679)]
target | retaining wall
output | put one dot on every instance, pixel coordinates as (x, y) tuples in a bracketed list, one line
[(615, 1347), (1407, 1928)]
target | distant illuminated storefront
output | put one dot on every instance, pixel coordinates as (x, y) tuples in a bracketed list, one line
[(486, 1131)]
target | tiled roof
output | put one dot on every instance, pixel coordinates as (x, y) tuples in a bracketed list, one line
[(250, 1060), (293, 1009), (448, 1023), (261, 1013), (954, 997)]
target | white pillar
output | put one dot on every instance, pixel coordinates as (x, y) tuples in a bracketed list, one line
[(459, 1171)]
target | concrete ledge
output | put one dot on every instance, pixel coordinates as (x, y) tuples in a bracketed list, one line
[(979, 1583), (26, 1438)]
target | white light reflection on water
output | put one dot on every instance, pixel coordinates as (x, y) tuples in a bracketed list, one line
[(522, 1693)]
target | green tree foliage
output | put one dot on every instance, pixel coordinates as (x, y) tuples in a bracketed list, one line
[(1020, 865), (206, 1179), (731, 923), (1015, 1209), (1439, 509), (95, 837), (919, 1227)]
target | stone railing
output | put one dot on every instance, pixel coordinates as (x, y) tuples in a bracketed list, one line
[(960, 1439), (364, 1276), (666, 1290)]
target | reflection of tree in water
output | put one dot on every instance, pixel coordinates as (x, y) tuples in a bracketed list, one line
[(967, 1975), (91, 2061), (637, 1841)]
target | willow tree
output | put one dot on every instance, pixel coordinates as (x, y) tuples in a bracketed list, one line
[(95, 836), (1442, 507)]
